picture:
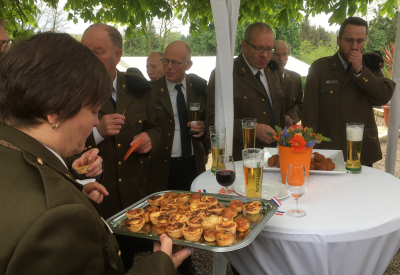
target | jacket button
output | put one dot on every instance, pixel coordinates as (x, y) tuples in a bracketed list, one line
[(119, 145), (85, 148), (140, 121), (264, 113), (245, 97), (119, 163), (90, 147), (149, 156), (166, 148), (141, 161), (40, 161), (120, 180), (165, 160), (331, 92), (170, 121), (119, 253), (169, 134), (263, 99)]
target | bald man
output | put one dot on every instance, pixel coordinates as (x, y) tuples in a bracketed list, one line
[(292, 86), (155, 69)]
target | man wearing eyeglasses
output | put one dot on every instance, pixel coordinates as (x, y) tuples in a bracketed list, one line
[(292, 86), (181, 155), (257, 89), (343, 88), (4, 39)]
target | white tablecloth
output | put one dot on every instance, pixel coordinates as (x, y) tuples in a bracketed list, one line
[(352, 227)]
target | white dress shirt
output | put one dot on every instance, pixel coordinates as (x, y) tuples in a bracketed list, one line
[(97, 137), (262, 77), (173, 93)]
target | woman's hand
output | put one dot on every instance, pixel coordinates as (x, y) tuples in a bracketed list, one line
[(90, 158), (166, 246), (95, 191)]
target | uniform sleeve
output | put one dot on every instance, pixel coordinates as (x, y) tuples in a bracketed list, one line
[(296, 111), (157, 263), (152, 128), (310, 116), (63, 240), (376, 86)]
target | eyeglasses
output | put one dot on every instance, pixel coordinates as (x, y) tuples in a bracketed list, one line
[(350, 41), (173, 62), (260, 50), (5, 45)]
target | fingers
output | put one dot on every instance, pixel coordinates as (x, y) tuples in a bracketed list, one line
[(180, 256), (156, 246), (166, 247), (88, 188), (166, 244), (96, 196), (110, 125)]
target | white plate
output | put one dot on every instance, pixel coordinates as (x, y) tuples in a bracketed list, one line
[(270, 188), (335, 155)]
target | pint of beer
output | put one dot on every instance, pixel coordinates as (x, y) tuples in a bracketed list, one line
[(249, 132), (194, 115), (354, 134), (253, 163), (217, 137)]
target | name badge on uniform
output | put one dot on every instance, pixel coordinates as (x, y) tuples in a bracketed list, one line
[(159, 107), (332, 81)]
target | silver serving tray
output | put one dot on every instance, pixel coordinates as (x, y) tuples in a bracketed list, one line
[(257, 223)]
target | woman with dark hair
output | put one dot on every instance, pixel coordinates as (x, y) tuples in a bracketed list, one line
[(51, 88)]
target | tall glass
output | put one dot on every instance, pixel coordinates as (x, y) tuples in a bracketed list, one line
[(249, 132), (253, 163), (218, 138), (296, 186), (225, 171), (354, 134), (194, 115)]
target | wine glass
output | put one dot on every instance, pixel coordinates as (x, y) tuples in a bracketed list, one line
[(225, 171), (296, 186)]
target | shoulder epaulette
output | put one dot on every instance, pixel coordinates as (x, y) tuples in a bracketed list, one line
[(137, 84), (323, 59), (273, 65), (373, 60), (199, 84)]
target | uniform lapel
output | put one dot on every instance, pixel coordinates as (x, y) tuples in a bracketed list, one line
[(124, 99), (338, 69), (248, 76), (164, 97), (190, 95), (271, 85), (287, 80)]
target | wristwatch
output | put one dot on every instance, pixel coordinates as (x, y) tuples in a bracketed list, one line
[(362, 68)]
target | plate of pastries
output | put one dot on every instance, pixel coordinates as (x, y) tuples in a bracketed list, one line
[(322, 161), (202, 220)]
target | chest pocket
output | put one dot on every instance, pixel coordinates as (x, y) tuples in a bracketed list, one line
[(330, 95), (137, 120), (160, 116)]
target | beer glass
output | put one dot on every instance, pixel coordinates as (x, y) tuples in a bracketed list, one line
[(253, 164), (249, 132), (225, 171), (354, 134), (296, 186), (217, 137), (194, 115)]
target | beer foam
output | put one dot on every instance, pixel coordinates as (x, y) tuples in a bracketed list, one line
[(354, 133), (253, 163), (194, 108)]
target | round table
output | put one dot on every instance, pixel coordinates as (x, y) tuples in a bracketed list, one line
[(352, 226)]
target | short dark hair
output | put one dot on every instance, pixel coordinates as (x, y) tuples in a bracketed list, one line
[(50, 73), (258, 25), (113, 33), (356, 21)]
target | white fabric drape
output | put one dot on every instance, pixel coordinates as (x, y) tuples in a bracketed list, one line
[(394, 115)]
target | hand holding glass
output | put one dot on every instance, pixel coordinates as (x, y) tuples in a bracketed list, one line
[(194, 115), (296, 186), (225, 171)]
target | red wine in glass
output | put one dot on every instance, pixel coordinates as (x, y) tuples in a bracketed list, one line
[(225, 171), (226, 177)]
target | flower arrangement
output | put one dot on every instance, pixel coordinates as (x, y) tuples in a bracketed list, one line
[(297, 137)]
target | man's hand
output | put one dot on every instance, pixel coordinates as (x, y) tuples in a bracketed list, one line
[(92, 159), (110, 125), (261, 133), (288, 121), (145, 146), (199, 128), (95, 191), (355, 59), (166, 246)]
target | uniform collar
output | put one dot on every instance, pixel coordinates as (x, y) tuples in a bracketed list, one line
[(253, 70), (171, 85), (344, 63)]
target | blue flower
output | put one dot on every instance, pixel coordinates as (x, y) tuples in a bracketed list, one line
[(285, 133), (311, 143)]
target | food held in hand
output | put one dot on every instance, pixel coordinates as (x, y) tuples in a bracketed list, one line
[(82, 169), (192, 234), (135, 224), (225, 238), (252, 207)]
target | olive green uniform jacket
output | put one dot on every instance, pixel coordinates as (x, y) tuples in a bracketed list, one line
[(165, 118), (126, 180), (47, 225), (293, 90), (250, 101), (333, 98)]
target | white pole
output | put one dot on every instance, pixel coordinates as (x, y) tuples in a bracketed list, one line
[(394, 115)]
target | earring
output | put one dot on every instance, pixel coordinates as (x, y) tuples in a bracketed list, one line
[(55, 128)]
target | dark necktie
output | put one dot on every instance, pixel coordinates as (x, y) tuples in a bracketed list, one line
[(183, 120), (271, 111), (348, 68), (113, 102)]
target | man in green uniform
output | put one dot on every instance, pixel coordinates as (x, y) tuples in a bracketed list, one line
[(154, 66), (344, 88), (257, 89), (291, 84)]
